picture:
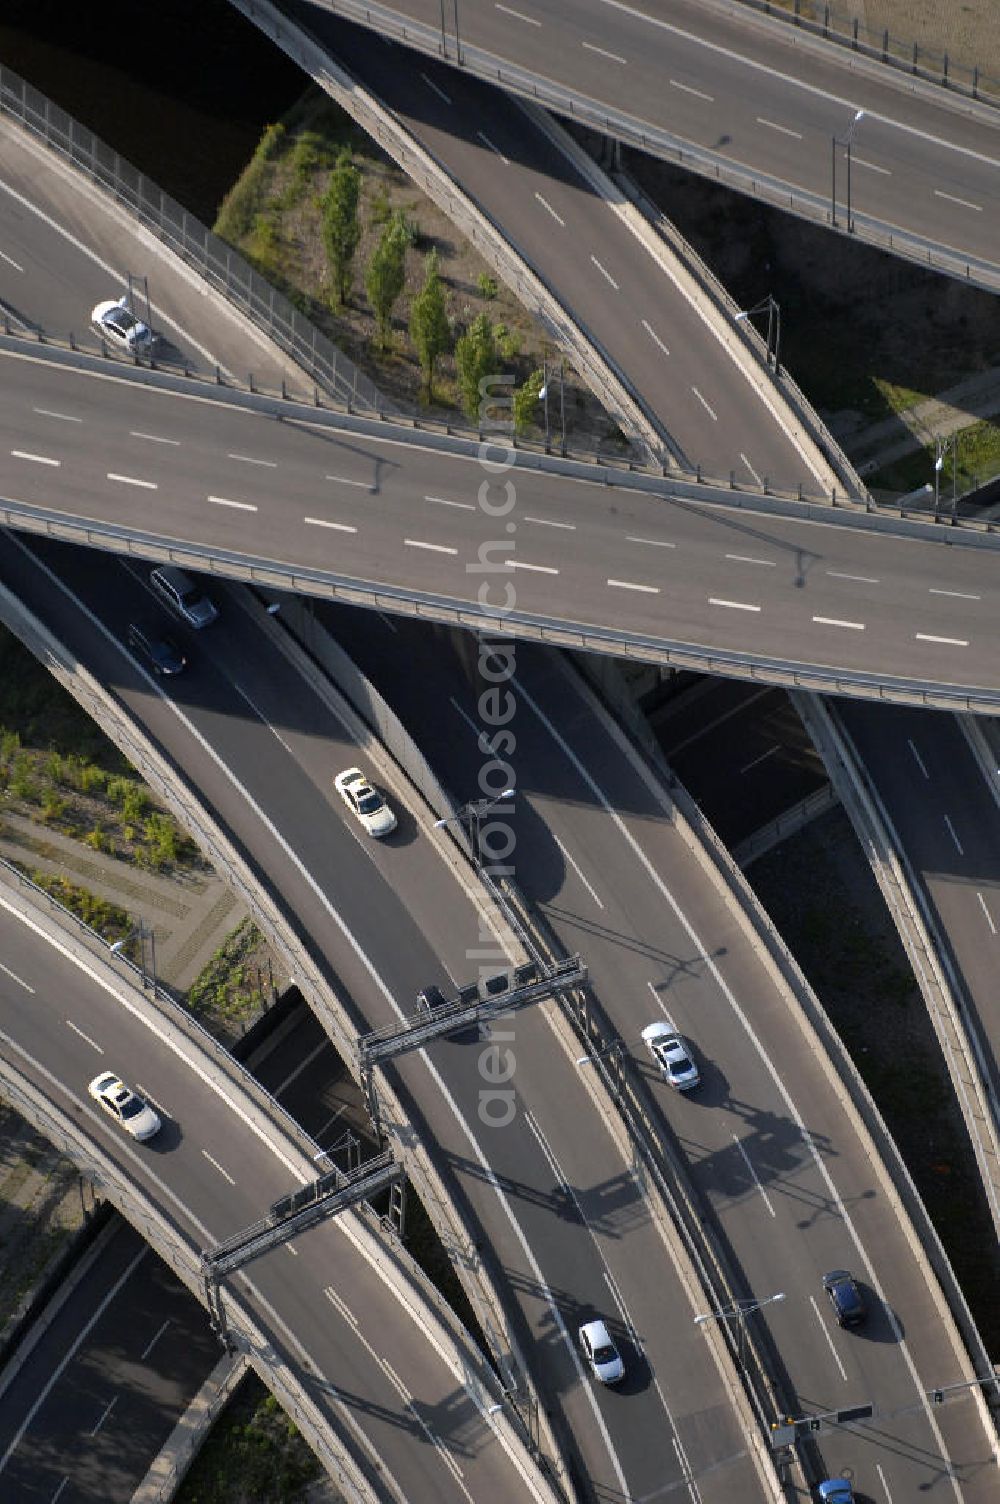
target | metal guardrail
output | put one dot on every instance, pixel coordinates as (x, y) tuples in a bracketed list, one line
[(222, 267), (835, 23), (662, 143)]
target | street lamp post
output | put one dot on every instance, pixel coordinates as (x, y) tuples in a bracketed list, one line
[(739, 1311), (474, 812), (144, 931), (770, 303), (845, 141)]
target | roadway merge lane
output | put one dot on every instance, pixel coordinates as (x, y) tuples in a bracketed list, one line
[(566, 1223), (767, 1144), (655, 569)]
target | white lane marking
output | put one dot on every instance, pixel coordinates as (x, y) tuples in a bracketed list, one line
[(704, 953), (953, 200), (303, 1065), (675, 83), (954, 642), (343, 480), (86, 1037), (11, 262), (442, 501), (290, 1250), (774, 126), (711, 413), (238, 506), (753, 472), (466, 717), (215, 1165), (434, 548), (132, 480), (47, 412), (749, 559), (330, 1122), (762, 758), (576, 869), (37, 459), (517, 14), (153, 1341), (872, 166), (387, 621), (662, 1006), (339, 527), (15, 978), (569, 527), (248, 459), (960, 595), (862, 579), (535, 568), (989, 916), (153, 438), (58, 1493), (829, 1339), (605, 273), (951, 830), (654, 336), (727, 715), (432, 85), (378, 981), (614, 56), (69, 1355), (107, 1411), (631, 585), (487, 142), (714, 600), (834, 621), (546, 205), (885, 1486), (753, 1172), (920, 762), (650, 542)]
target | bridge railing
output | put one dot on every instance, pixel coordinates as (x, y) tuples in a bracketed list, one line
[(221, 266)]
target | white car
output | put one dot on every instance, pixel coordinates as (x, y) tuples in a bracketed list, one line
[(673, 1055), (363, 801), (116, 323), (600, 1352), (130, 1111)]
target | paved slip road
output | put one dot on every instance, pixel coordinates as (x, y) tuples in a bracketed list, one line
[(131, 1336), (558, 1207), (732, 88), (948, 823), (767, 1145), (414, 1431), (599, 270), (369, 509), (65, 246)]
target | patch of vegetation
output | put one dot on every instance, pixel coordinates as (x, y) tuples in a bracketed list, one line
[(236, 985), (254, 1453), (109, 921)]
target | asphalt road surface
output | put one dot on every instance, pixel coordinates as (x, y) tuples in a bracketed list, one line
[(723, 86)]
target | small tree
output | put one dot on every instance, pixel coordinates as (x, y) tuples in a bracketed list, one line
[(386, 275), (429, 327), (476, 359), (526, 401), (341, 228)]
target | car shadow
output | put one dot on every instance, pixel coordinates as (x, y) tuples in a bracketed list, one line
[(168, 1138)]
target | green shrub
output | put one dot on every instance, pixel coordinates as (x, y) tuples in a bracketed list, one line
[(163, 839), (10, 744), (22, 784), (487, 285), (93, 780), (53, 806), (378, 209), (55, 767), (97, 839)]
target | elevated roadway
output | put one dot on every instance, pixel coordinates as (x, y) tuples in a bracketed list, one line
[(404, 1420), (131, 461), (769, 1146), (751, 103), (556, 1208)]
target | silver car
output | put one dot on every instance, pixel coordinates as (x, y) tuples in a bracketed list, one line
[(182, 595), (116, 323)]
